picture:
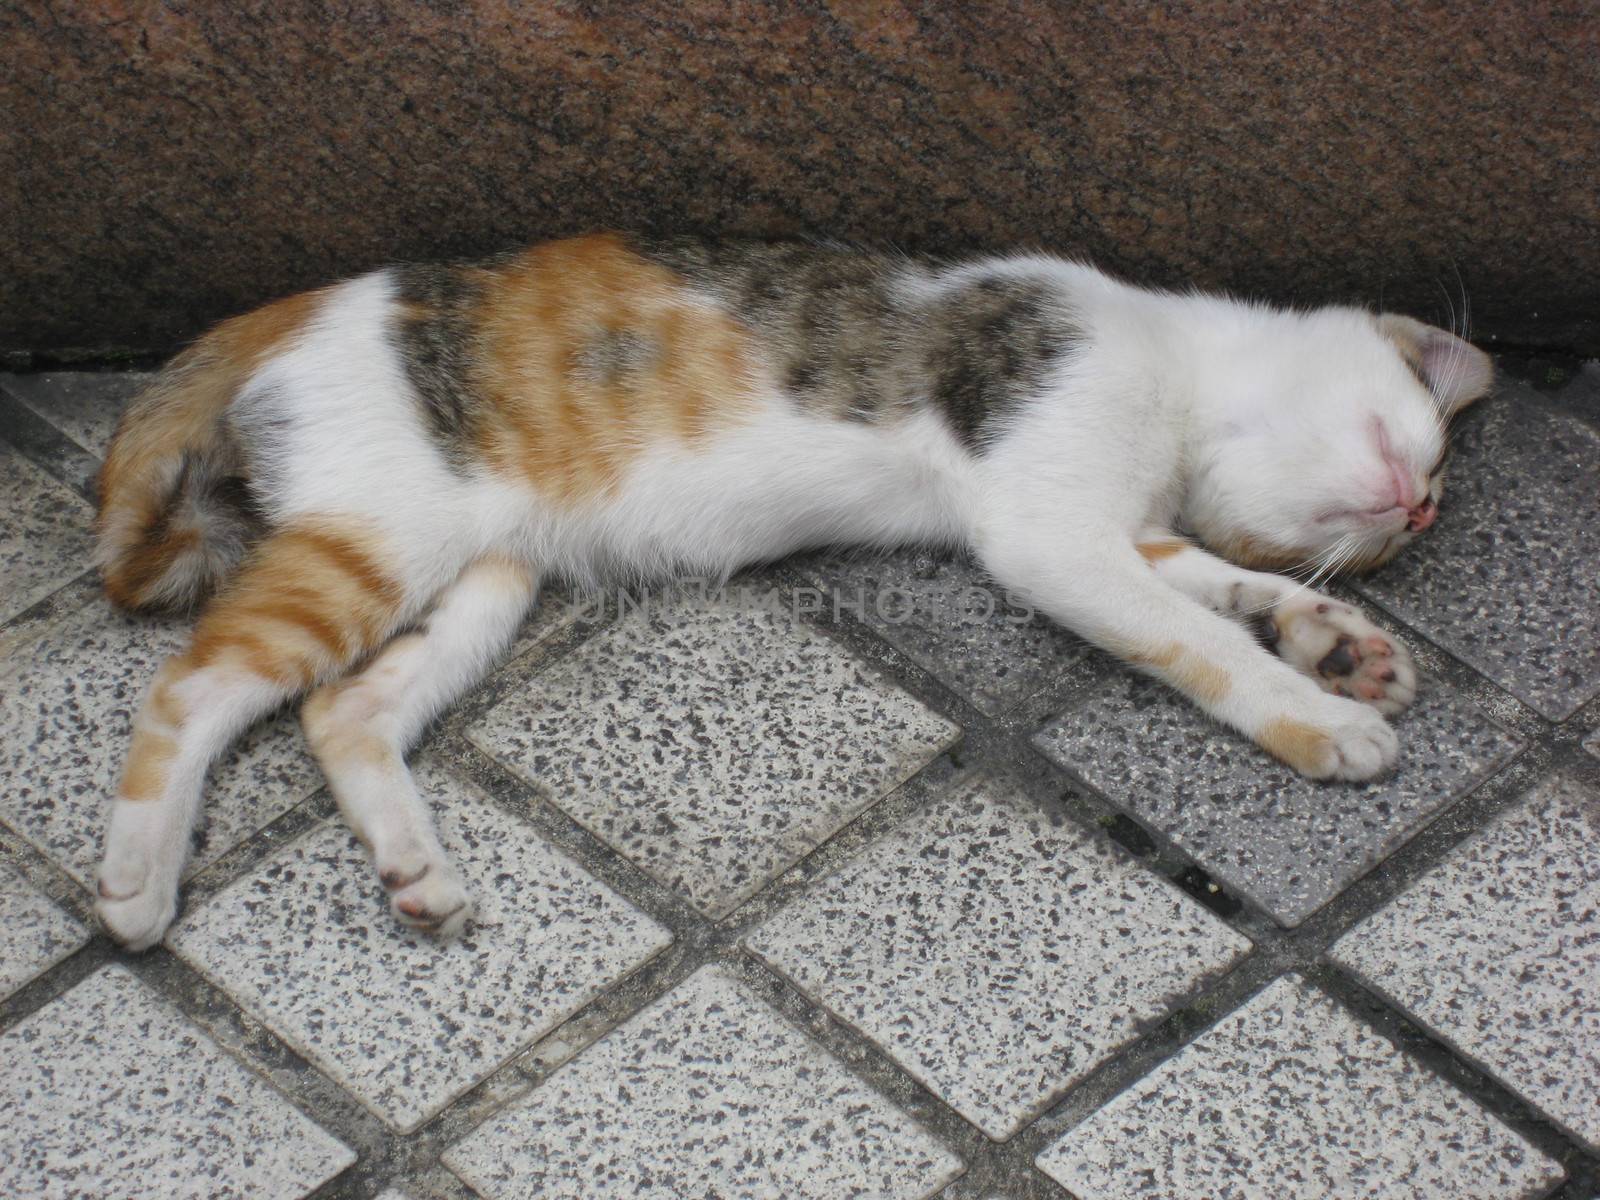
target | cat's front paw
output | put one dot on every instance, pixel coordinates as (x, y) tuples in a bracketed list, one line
[(1335, 739), (425, 892), (1344, 652)]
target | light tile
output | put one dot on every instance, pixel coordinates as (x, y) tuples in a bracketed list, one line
[(411, 1022), (44, 534), (1290, 1098), (1287, 843), (707, 1092), (997, 953), (945, 615), (1498, 951), (713, 745), (34, 934), (84, 405), (66, 704), (1507, 579), (108, 1092)]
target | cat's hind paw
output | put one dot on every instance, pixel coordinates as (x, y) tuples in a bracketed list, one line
[(426, 894), (1344, 652), (136, 919)]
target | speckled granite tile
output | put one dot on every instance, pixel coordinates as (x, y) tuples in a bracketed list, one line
[(707, 1092), (997, 953), (1509, 579), (415, 1022), (34, 934), (1593, 743), (1287, 843), (945, 615), (108, 1091), (714, 745), (66, 702), (44, 534), (84, 405), (1290, 1098), (1498, 950)]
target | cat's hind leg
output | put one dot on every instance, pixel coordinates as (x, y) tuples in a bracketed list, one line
[(311, 600), (1332, 642), (361, 727)]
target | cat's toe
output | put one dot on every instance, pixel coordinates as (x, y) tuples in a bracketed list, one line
[(1345, 653), (434, 902), (137, 921)]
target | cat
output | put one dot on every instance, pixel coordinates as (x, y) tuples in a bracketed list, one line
[(374, 477)]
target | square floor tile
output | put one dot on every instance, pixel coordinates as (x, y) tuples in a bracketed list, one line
[(108, 1091), (1498, 950), (1287, 843), (997, 953), (406, 1022), (945, 615), (34, 934), (1290, 1098), (45, 537), (707, 1092), (714, 745), (1509, 579), (84, 405), (67, 702)]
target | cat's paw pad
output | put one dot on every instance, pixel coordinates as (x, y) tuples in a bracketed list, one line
[(137, 913), (1344, 652), (426, 894), (1338, 740)]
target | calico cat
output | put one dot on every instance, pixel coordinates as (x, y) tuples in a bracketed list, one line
[(375, 477)]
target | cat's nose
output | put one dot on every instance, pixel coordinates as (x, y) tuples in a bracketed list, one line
[(1422, 515)]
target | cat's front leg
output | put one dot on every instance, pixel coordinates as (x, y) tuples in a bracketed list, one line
[(1105, 591), (1326, 639)]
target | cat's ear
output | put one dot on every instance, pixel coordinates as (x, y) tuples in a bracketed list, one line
[(1455, 371)]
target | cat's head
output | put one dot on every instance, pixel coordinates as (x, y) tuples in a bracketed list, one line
[(1329, 446)]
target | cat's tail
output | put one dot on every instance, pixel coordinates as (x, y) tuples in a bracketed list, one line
[(176, 512), (174, 519)]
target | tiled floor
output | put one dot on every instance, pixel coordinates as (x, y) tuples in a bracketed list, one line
[(881, 891)]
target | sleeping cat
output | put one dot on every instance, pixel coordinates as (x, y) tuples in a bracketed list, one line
[(378, 474)]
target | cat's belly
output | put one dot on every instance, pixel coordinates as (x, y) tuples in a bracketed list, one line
[(779, 483)]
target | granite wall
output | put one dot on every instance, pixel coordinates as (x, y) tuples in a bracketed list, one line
[(164, 164)]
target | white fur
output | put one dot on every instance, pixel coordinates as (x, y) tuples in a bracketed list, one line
[(1176, 412)]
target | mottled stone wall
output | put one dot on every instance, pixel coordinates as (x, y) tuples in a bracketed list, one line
[(162, 165)]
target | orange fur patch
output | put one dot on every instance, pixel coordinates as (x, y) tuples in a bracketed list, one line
[(1185, 670), (1154, 552), (310, 599), (1303, 747), (1197, 677), (144, 776), (591, 353)]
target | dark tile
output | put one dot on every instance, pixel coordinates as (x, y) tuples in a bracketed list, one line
[(944, 614), (1287, 843)]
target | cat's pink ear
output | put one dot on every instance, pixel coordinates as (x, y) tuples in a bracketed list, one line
[(1455, 371)]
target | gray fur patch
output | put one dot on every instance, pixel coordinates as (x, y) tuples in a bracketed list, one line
[(847, 341), (435, 336), (615, 357)]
